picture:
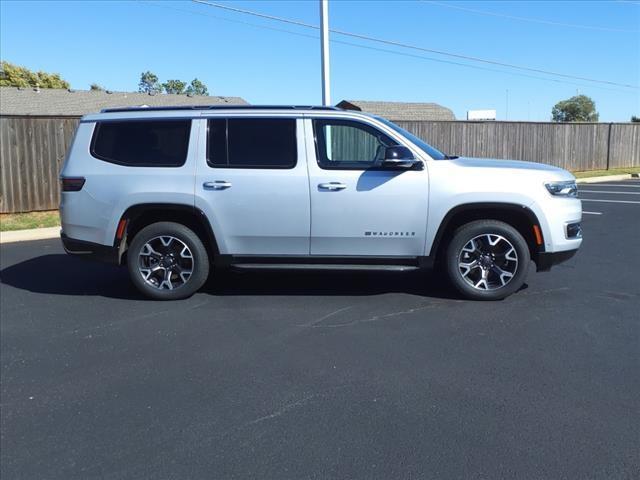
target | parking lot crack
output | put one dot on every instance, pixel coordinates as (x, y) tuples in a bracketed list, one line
[(120, 323), (377, 318), (283, 410), (313, 323)]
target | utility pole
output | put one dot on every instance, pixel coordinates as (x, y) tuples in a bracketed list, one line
[(324, 46)]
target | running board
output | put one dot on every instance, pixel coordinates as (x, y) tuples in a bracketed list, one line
[(323, 266), (323, 262)]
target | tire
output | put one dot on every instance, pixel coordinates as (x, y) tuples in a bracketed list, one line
[(487, 260), (160, 258)]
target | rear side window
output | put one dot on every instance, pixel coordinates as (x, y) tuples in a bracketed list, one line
[(252, 143), (156, 143)]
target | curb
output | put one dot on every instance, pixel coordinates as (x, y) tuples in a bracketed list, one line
[(607, 178), (31, 234)]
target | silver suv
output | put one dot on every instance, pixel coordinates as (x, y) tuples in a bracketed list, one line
[(175, 193)]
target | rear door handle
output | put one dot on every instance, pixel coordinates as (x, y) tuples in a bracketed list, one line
[(332, 186), (217, 185)]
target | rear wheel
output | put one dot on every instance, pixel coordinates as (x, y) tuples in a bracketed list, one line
[(167, 261), (487, 260)]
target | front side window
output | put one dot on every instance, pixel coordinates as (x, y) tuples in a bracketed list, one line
[(252, 143), (424, 146), (142, 143), (349, 145)]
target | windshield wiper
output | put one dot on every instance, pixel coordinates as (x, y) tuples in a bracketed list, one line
[(450, 157)]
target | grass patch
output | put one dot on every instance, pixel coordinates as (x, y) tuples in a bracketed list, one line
[(23, 221), (603, 173)]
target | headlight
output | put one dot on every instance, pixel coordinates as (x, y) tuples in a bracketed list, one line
[(563, 189)]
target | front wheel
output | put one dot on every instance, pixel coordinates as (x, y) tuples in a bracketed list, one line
[(167, 261), (487, 260)]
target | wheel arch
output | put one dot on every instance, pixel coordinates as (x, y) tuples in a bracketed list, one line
[(518, 216), (138, 216)]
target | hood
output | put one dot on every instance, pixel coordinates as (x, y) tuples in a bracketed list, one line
[(492, 167), (502, 164)]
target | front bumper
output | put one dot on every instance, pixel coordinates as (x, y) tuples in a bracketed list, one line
[(546, 260), (90, 250), (555, 215)]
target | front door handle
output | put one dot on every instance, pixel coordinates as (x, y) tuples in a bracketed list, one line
[(217, 185), (332, 186)]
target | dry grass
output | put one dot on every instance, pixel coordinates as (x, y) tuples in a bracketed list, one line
[(602, 173), (23, 221)]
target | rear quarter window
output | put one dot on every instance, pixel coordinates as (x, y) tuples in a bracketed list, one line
[(142, 143)]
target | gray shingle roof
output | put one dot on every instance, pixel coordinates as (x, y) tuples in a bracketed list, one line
[(48, 101), (400, 110)]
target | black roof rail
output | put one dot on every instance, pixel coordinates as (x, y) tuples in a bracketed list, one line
[(218, 107)]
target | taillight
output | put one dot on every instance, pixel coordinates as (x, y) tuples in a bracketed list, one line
[(72, 184)]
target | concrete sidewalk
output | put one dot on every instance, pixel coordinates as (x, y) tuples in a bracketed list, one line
[(607, 178), (31, 234)]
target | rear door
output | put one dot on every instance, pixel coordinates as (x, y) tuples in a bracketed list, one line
[(358, 208), (252, 183)]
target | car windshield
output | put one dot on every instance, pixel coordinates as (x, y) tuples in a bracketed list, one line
[(431, 151)]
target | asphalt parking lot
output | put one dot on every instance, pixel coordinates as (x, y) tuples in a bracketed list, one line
[(326, 375)]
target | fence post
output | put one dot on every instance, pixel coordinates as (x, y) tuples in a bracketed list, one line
[(609, 145)]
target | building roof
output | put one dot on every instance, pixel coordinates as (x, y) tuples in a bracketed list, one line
[(54, 102), (400, 110)]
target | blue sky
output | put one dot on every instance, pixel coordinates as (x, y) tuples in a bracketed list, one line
[(112, 42)]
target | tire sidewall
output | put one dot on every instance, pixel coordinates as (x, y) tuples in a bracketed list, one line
[(184, 234), (463, 235)]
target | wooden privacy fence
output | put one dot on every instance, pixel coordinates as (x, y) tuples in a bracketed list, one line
[(32, 149), (573, 146)]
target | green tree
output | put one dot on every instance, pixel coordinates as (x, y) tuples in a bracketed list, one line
[(16, 76), (576, 109), (149, 83), (174, 86), (635, 119), (96, 87), (197, 88)]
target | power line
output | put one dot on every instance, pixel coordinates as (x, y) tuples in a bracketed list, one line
[(477, 67), (408, 46), (377, 49), (529, 19), (162, 4)]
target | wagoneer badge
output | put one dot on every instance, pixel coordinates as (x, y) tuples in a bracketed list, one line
[(389, 234)]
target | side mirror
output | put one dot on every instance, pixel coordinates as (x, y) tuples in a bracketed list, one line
[(399, 157)]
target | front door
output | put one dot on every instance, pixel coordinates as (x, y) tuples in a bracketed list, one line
[(358, 208), (253, 186)]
